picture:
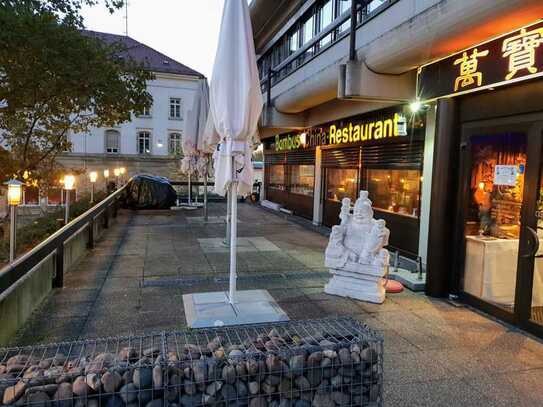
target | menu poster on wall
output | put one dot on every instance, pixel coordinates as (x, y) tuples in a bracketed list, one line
[(505, 175)]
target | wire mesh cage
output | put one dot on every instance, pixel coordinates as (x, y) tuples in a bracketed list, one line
[(328, 362)]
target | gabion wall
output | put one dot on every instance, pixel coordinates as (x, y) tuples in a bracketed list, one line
[(323, 363)]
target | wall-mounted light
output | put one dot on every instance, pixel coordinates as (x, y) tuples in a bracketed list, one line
[(482, 186), (106, 173), (415, 106), (303, 139)]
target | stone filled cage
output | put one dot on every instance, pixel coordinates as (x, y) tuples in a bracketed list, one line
[(323, 363)]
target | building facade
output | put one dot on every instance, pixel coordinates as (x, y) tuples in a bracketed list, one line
[(147, 144), (394, 97)]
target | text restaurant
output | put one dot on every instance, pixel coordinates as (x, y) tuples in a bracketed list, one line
[(490, 154), (381, 152)]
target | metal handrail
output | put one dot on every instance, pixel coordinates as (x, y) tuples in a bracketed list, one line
[(13, 272), (274, 71)]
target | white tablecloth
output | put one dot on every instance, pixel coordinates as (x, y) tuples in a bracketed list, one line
[(491, 271)]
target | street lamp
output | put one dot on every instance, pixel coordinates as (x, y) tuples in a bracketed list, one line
[(14, 199), (106, 176), (93, 177), (123, 172), (117, 173), (69, 182)]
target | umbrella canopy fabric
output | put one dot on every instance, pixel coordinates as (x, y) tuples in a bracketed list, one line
[(235, 98), (196, 157)]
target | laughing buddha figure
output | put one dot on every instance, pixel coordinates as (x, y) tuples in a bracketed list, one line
[(359, 239)]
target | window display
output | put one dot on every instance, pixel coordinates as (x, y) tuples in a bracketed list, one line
[(497, 182), (277, 177), (341, 183), (302, 179), (396, 191)]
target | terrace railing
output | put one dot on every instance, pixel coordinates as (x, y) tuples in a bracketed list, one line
[(27, 281)]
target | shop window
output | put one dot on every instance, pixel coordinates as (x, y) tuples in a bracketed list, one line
[(341, 183), (495, 201), (277, 177), (493, 220), (31, 196), (54, 196), (302, 179), (396, 191)]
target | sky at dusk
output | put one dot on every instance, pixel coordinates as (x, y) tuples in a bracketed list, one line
[(185, 30)]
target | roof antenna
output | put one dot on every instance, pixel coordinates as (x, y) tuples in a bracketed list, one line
[(126, 18)]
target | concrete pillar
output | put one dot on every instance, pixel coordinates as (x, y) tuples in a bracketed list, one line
[(445, 170), (317, 202), (426, 189)]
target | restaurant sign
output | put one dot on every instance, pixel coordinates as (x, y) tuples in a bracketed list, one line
[(510, 58), (386, 126)]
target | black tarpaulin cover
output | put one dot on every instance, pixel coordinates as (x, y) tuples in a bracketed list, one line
[(149, 192)]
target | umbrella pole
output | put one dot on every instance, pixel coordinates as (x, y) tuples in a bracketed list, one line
[(190, 190), (205, 198), (228, 217), (233, 242)]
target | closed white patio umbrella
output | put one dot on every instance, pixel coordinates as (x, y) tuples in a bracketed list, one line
[(235, 107)]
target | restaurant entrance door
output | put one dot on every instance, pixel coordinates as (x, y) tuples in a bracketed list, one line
[(501, 206)]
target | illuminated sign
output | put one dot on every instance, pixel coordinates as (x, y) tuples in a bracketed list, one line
[(512, 57), (383, 125), (373, 130)]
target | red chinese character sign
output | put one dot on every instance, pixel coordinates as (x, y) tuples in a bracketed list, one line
[(513, 57)]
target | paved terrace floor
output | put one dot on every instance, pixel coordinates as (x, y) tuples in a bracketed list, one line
[(436, 354)]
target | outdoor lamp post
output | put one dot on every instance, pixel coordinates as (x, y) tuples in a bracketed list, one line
[(93, 177), (117, 173), (106, 176), (15, 189), (69, 182), (123, 172)]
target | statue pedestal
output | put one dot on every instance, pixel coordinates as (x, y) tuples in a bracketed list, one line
[(358, 285)]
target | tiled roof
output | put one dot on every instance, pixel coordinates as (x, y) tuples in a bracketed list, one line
[(152, 59)]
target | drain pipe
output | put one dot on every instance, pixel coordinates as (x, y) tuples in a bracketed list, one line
[(352, 42)]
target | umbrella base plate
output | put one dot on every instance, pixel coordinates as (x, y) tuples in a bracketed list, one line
[(213, 309)]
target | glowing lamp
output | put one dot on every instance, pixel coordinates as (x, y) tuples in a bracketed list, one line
[(15, 189), (117, 172), (93, 176), (123, 170), (481, 186), (106, 173), (415, 106), (69, 182), (303, 139)]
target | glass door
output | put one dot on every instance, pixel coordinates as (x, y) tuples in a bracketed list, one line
[(502, 198), (492, 224)]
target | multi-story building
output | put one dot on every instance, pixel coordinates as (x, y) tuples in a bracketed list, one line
[(432, 106), (147, 144)]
